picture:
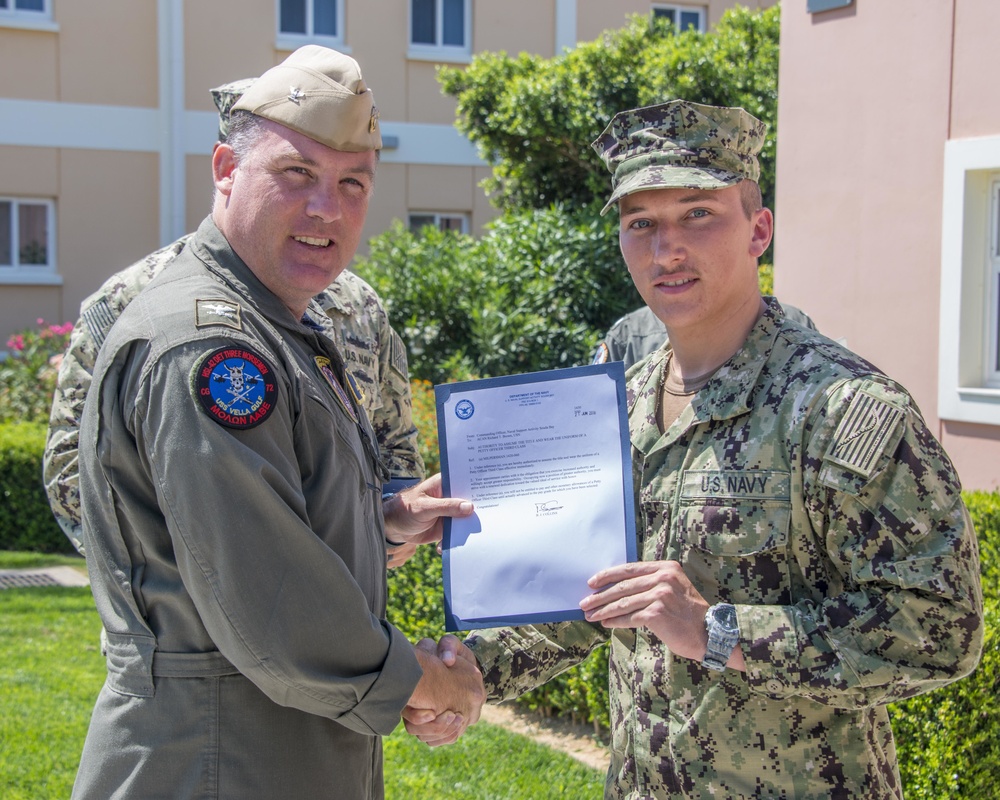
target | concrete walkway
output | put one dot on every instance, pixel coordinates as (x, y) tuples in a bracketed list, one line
[(45, 576)]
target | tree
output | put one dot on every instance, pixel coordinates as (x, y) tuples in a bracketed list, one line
[(535, 292), (533, 118)]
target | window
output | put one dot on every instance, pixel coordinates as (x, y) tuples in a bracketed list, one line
[(27, 240), (440, 28), (683, 17), (815, 6), (443, 221), (969, 335), (25, 6), (26, 13), (992, 313), (320, 20)]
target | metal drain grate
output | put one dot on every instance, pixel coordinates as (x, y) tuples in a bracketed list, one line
[(20, 580)]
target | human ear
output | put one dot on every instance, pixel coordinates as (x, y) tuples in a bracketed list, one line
[(223, 168), (763, 231)]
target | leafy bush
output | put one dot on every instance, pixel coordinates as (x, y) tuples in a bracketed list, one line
[(948, 741), (425, 420), (26, 522), (28, 376), (429, 284), (558, 282), (533, 118), (536, 292)]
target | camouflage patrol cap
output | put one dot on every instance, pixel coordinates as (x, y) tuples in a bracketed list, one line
[(319, 93), (680, 145), (225, 98)]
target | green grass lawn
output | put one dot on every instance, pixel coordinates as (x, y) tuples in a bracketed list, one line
[(51, 671), (11, 559)]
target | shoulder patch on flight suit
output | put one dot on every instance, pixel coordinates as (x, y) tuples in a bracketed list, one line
[(235, 386), (217, 312), (863, 433), (602, 354), (397, 354)]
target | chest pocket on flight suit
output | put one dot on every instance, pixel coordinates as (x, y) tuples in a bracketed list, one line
[(732, 530)]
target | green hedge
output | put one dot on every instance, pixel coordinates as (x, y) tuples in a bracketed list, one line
[(948, 741), (535, 292), (26, 521)]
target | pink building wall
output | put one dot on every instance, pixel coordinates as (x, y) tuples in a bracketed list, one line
[(868, 97)]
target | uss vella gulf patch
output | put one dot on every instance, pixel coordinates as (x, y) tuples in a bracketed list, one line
[(236, 387)]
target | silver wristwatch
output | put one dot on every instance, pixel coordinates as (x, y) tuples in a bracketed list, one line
[(723, 635)]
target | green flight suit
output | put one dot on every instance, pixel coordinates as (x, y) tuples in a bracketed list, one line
[(232, 520)]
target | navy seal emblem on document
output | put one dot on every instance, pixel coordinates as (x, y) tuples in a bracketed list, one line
[(236, 387), (464, 409)]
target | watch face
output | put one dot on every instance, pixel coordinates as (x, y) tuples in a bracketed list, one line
[(725, 615)]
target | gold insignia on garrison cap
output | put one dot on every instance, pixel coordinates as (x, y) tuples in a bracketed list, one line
[(319, 93)]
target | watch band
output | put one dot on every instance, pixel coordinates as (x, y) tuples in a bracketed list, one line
[(723, 635)]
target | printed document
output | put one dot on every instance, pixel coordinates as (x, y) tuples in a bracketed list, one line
[(545, 459)]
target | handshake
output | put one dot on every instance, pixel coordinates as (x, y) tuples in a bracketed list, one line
[(450, 694)]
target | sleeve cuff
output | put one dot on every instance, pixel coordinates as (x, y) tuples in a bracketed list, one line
[(379, 711)]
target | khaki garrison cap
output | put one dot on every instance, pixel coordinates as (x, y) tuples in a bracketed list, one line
[(225, 98), (319, 93), (680, 145)]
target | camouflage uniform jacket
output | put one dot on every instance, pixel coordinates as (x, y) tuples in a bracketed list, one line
[(802, 486), (640, 332), (238, 568), (372, 350)]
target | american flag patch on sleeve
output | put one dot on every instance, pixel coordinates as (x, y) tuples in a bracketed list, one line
[(864, 433)]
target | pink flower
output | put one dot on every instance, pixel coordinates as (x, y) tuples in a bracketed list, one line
[(39, 322), (16, 342)]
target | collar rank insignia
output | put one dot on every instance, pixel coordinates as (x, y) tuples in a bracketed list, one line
[(323, 363), (236, 387), (217, 312)]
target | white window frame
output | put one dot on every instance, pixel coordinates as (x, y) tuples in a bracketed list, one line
[(967, 387), (38, 274), (678, 9), (991, 367), (13, 17), (438, 51), (293, 41), (439, 217)]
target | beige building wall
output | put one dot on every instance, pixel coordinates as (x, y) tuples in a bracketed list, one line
[(596, 16), (105, 112), (870, 98)]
